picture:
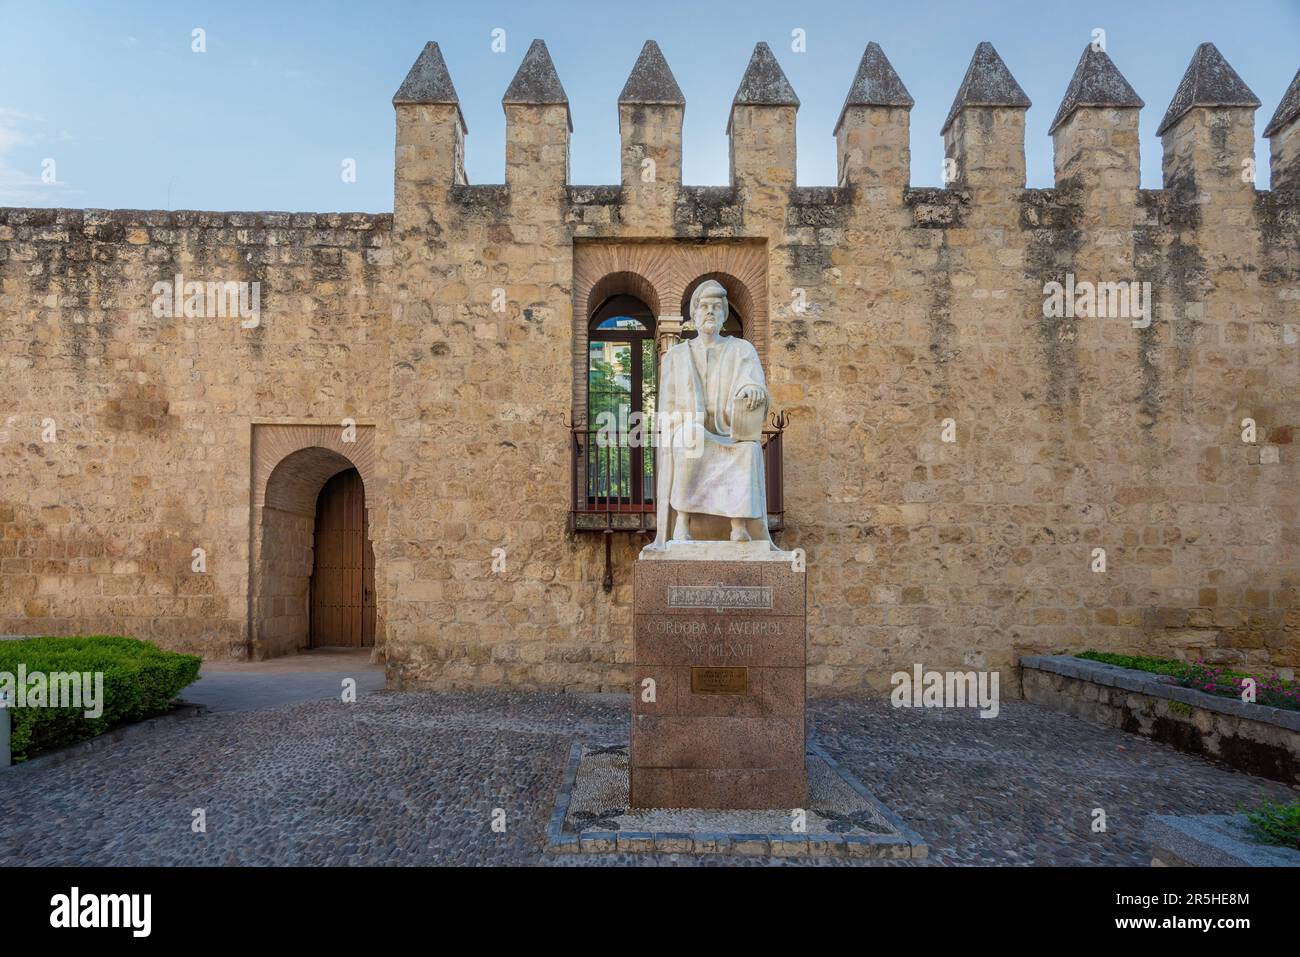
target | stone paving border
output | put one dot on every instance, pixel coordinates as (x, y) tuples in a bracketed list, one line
[(906, 844), (1212, 840), (917, 843), (179, 711)]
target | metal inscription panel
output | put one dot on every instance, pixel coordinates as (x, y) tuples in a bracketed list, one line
[(719, 597), (719, 681)]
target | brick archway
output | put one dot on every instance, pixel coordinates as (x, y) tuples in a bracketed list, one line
[(737, 294), (662, 275), (291, 464)]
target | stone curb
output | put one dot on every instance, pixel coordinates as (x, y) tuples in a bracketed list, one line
[(556, 839), (180, 711), (1158, 686), (906, 845), (1212, 840)]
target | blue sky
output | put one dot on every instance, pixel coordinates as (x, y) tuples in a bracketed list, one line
[(132, 118)]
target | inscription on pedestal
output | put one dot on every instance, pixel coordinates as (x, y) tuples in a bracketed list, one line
[(720, 597)]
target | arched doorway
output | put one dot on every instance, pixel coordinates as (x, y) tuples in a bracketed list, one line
[(343, 568), (313, 581)]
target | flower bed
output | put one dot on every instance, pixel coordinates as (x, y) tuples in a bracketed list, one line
[(119, 680), (1273, 691)]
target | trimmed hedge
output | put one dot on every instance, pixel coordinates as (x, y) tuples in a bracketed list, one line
[(1156, 666), (140, 680)]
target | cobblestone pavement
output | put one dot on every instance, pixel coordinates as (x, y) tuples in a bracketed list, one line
[(413, 778), (243, 685)]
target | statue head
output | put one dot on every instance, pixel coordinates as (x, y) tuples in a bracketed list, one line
[(709, 307)]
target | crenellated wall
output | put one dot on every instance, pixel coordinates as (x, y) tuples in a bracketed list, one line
[(892, 318)]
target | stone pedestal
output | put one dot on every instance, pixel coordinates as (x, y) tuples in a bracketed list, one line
[(724, 643)]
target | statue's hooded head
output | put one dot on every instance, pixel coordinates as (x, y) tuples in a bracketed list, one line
[(709, 307)]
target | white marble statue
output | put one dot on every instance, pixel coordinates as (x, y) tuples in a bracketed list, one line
[(711, 408)]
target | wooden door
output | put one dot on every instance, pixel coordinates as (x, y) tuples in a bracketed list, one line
[(343, 576)]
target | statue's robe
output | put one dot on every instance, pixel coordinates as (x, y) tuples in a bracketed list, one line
[(701, 470)]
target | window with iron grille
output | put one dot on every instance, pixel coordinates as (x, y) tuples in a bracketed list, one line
[(622, 375)]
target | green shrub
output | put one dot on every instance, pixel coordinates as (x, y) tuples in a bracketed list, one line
[(140, 680), (1159, 666), (1276, 823)]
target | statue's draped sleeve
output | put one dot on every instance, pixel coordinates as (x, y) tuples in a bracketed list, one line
[(680, 403)]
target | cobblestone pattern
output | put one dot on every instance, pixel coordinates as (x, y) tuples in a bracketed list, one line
[(414, 778)]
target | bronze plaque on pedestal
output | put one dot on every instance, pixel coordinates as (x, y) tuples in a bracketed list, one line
[(719, 681)]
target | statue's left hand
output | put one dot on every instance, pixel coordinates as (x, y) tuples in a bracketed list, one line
[(752, 396)]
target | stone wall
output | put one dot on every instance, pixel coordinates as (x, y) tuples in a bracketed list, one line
[(152, 416), (894, 318)]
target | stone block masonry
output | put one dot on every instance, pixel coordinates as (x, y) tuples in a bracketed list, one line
[(956, 457), (125, 435)]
